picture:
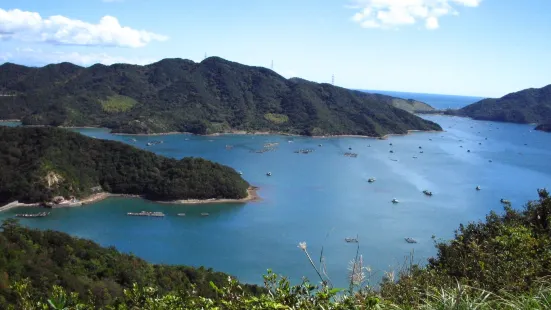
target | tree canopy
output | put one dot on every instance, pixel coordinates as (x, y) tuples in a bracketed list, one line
[(212, 96), (37, 164)]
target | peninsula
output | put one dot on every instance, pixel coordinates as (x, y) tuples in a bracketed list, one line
[(213, 96), (529, 106), (41, 164)]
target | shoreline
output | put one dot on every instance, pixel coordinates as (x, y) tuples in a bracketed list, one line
[(9, 120), (252, 196), (239, 132)]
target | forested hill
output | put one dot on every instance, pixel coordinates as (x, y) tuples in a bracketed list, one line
[(37, 164), (98, 274), (212, 96), (531, 105)]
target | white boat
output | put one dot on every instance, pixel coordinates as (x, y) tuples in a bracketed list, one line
[(371, 180), (240, 173), (351, 240), (269, 174), (504, 201), (410, 240), (204, 214), (395, 200), (181, 214), (478, 188)]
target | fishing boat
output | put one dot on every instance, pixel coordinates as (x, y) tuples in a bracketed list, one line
[(478, 188), (504, 200), (269, 174), (394, 200), (181, 214), (428, 193), (351, 240), (204, 214), (410, 240), (240, 173), (371, 180)]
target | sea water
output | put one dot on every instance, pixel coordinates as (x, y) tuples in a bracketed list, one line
[(323, 197)]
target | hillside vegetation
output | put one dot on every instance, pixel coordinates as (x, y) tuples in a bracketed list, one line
[(531, 105), (501, 263), (98, 274), (212, 96), (40, 163)]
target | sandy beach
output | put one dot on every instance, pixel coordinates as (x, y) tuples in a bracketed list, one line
[(252, 195)]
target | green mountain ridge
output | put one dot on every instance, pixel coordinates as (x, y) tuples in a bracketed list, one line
[(37, 164), (212, 96), (529, 106)]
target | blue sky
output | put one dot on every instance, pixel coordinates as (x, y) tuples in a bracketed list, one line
[(463, 47)]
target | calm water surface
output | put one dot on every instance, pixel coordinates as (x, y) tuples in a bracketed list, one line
[(323, 197)]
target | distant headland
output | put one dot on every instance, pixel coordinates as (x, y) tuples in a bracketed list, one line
[(529, 106)]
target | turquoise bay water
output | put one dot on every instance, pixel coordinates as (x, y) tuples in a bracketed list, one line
[(324, 197)]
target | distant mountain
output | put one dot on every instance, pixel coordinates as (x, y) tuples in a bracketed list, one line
[(410, 105), (531, 105), (212, 96)]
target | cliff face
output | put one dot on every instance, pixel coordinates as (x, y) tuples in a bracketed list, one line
[(212, 96), (527, 106)]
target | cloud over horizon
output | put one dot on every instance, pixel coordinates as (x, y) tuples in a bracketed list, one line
[(28, 26), (38, 57), (391, 14)]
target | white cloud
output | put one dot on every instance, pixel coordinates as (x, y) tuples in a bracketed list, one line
[(395, 13), (40, 57), (31, 27)]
